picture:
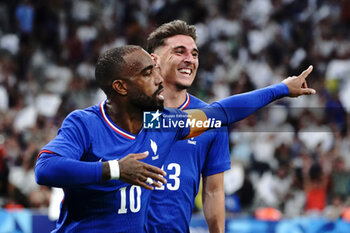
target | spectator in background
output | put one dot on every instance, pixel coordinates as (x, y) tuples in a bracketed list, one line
[(273, 187), (239, 191), (23, 189), (339, 180), (25, 17), (4, 169), (295, 199), (315, 188), (335, 209)]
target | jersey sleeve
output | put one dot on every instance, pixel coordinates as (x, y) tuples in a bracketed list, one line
[(179, 117), (237, 107), (57, 171), (232, 109), (218, 157), (72, 139), (59, 164)]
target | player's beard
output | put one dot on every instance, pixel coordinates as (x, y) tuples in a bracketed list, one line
[(148, 103)]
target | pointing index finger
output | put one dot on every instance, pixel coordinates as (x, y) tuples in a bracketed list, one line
[(306, 72)]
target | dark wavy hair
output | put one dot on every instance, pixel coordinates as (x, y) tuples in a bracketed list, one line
[(173, 28)]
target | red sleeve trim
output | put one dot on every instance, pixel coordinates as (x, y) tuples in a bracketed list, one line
[(44, 151)]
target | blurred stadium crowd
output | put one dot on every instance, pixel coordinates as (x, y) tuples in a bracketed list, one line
[(293, 155)]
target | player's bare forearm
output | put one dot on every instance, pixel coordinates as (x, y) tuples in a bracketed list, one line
[(213, 197)]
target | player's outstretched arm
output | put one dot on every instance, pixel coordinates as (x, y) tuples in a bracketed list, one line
[(135, 172), (237, 107)]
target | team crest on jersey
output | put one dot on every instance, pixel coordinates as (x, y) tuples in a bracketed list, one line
[(191, 141), (154, 148)]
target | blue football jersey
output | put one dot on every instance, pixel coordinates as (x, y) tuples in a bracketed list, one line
[(112, 206), (207, 154)]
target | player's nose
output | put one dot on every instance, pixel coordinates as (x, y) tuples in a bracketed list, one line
[(158, 77), (189, 58)]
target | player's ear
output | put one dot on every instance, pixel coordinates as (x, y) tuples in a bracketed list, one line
[(155, 58), (120, 87)]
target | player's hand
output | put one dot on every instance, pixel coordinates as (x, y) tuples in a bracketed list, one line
[(297, 84), (135, 172)]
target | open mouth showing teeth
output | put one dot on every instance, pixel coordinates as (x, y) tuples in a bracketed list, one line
[(185, 71)]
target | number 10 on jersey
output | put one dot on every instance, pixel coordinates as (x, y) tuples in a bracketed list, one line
[(131, 194)]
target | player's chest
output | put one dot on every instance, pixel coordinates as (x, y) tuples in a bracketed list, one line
[(115, 146)]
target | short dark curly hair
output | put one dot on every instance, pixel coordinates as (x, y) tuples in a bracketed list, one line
[(173, 28), (110, 65)]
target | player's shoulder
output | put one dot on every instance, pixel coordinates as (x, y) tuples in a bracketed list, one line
[(195, 102), (85, 112), (170, 111), (84, 115)]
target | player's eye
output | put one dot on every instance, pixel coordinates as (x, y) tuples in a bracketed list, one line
[(179, 51), (147, 72)]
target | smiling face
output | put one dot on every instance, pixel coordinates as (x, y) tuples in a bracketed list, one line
[(144, 83), (178, 61)]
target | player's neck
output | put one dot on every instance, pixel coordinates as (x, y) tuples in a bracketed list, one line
[(127, 118), (173, 97)]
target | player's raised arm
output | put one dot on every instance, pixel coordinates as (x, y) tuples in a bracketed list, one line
[(237, 107)]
